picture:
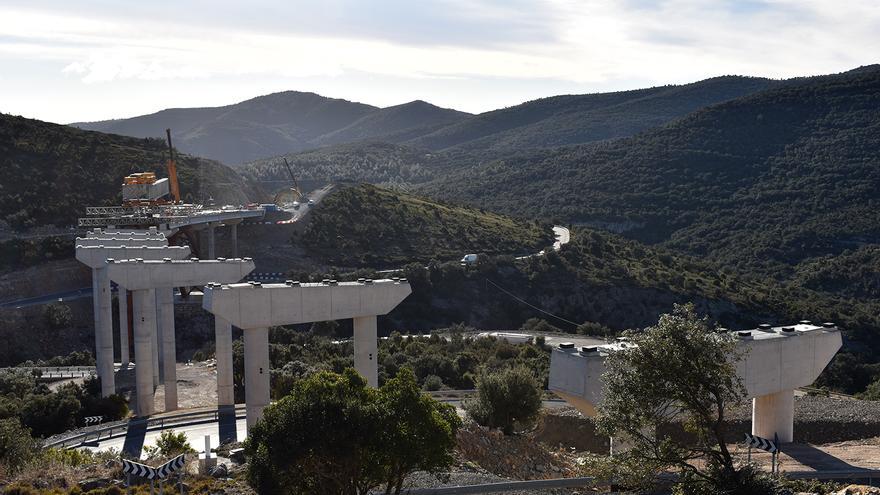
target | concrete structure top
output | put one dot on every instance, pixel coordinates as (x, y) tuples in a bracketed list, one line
[(134, 274), (96, 256), (151, 233), (775, 359), (255, 305)]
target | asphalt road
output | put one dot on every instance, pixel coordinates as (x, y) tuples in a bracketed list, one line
[(64, 296)]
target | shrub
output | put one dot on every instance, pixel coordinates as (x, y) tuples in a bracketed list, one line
[(17, 447), (505, 400)]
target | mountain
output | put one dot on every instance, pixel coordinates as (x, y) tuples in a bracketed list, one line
[(573, 119), (395, 124), (51, 172), (278, 123), (758, 184)]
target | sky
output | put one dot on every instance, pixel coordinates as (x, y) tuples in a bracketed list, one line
[(69, 60)]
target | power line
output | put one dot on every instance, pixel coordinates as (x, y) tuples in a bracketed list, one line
[(502, 289)]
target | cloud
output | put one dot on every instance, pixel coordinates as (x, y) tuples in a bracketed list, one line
[(518, 45)]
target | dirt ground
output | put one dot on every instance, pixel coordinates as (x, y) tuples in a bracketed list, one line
[(838, 456), (196, 386)]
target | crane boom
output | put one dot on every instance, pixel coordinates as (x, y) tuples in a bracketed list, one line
[(292, 177), (172, 170)]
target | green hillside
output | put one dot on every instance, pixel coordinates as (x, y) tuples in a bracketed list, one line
[(52, 172), (758, 184), (366, 225), (374, 162), (575, 119)]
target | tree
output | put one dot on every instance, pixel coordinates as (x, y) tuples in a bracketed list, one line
[(506, 399), (679, 369), (17, 447), (171, 444), (335, 435), (418, 434)]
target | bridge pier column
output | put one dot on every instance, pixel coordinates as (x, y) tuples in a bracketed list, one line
[(211, 252), (144, 304), (365, 349), (122, 302), (233, 233), (169, 360), (223, 354), (103, 308), (157, 343), (773, 415), (256, 373)]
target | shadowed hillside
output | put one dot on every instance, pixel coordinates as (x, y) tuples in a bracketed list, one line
[(52, 172)]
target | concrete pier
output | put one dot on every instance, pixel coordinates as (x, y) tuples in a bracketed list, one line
[(366, 349), (212, 254), (156, 347), (165, 299), (103, 307), (223, 354), (122, 303), (776, 361), (159, 277), (144, 304), (233, 234), (256, 373), (773, 415)]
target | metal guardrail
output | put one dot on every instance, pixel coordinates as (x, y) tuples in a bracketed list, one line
[(55, 372), (506, 486), (112, 430)]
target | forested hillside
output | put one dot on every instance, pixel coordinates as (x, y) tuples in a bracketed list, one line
[(757, 185), (575, 119), (52, 172), (377, 163), (368, 226)]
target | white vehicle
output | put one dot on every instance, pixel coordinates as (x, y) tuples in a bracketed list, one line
[(469, 259), (311, 202)]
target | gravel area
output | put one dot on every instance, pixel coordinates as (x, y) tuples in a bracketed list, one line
[(462, 478), (815, 408)]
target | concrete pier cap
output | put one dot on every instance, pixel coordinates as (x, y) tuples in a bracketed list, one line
[(776, 361), (96, 256), (256, 305), (144, 274)]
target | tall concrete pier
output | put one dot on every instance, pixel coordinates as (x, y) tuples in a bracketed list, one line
[(145, 279)]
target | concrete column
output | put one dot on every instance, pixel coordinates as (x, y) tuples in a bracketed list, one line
[(165, 297), (157, 344), (223, 353), (256, 373), (233, 234), (144, 305), (211, 252), (365, 349), (103, 330), (122, 303), (773, 414)]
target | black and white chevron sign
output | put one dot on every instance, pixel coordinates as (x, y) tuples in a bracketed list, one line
[(761, 443), (138, 469), (90, 420), (170, 467)]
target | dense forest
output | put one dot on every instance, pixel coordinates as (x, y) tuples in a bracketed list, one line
[(758, 184), (52, 172)]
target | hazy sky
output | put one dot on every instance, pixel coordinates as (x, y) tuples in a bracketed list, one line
[(70, 60)]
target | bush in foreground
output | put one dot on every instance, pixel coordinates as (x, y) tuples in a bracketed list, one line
[(335, 435), (506, 399)]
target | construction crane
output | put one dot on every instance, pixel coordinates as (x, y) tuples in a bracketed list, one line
[(172, 171), (298, 196)]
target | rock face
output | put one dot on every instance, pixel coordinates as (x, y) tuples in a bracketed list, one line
[(859, 490)]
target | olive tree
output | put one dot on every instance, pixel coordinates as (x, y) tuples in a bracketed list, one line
[(506, 399), (335, 435), (680, 369)]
